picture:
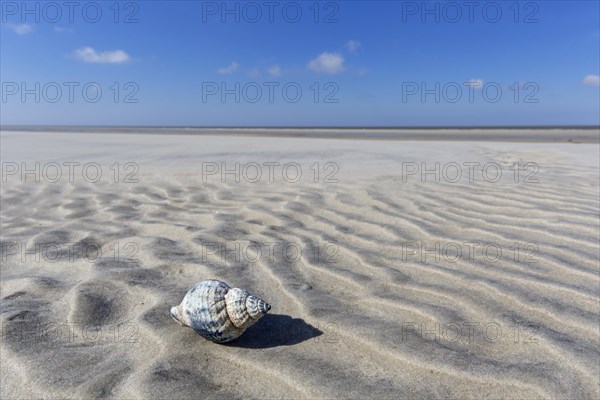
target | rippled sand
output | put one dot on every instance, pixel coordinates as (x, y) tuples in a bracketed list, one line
[(371, 298)]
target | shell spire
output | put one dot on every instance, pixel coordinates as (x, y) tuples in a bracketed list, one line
[(218, 312), (256, 307)]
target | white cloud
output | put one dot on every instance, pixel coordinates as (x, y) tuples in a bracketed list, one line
[(20, 29), (328, 63), (230, 69), (91, 56), (475, 83), (591, 80), (352, 45), (274, 70)]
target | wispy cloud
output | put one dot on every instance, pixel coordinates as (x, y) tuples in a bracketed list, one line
[(352, 45), (61, 29), (230, 69), (254, 73), (20, 29), (274, 70), (475, 83), (91, 56), (591, 80), (327, 63)]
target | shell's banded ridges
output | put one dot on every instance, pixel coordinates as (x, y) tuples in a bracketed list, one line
[(218, 312)]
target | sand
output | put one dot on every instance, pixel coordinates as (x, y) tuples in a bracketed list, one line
[(586, 134), (385, 283)]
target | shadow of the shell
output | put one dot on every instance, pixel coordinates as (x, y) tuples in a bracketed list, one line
[(275, 330)]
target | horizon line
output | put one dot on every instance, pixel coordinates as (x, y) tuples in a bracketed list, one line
[(374, 127)]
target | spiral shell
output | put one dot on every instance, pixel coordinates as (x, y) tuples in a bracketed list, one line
[(218, 312)]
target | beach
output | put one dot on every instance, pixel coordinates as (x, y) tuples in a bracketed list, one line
[(455, 269)]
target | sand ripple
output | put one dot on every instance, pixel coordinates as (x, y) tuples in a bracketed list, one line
[(355, 314)]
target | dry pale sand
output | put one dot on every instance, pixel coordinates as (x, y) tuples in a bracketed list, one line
[(356, 313)]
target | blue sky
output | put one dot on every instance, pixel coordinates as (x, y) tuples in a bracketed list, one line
[(388, 63)]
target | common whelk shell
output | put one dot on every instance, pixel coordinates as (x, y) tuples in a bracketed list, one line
[(218, 312)]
